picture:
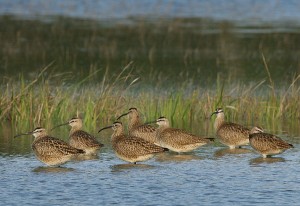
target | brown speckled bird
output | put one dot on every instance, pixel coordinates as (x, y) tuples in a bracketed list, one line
[(230, 134), (81, 139), (177, 140), (130, 148), (50, 150), (136, 128), (267, 144)]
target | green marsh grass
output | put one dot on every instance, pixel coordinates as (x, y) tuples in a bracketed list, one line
[(180, 68), (41, 103)]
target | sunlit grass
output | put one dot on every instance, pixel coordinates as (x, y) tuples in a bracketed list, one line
[(39, 102), (98, 71)]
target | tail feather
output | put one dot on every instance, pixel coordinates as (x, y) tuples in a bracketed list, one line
[(80, 151), (166, 149)]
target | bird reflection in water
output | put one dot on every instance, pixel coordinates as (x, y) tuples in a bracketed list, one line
[(227, 151), (52, 169), (175, 157), (80, 158), (269, 160), (126, 167)]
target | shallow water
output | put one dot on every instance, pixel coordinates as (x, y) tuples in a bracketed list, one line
[(211, 175), (196, 43)]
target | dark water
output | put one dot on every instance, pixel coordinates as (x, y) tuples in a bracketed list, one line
[(170, 42), (167, 51), (192, 43)]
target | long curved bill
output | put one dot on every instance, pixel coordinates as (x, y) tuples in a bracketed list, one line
[(18, 135), (213, 113), (123, 115), (105, 128), (59, 125)]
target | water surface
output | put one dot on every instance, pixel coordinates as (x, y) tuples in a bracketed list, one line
[(166, 43), (211, 175)]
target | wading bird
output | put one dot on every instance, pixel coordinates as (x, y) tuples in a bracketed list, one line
[(177, 140), (50, 150), (136, 128), (267, 144), (130, 148), (81, 139), (230, 134)]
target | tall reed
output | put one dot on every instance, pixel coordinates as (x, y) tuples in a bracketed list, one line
[(39, 102)]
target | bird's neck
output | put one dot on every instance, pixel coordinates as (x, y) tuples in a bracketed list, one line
[(134, 122), (39, 137), (74, 129), (162, 128), (116, 137), (220, 119), (117, 133)]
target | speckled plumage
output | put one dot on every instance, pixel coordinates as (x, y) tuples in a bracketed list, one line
[(130, 148), (136, 128), (50, 150), (146, 132), (177, 140), (81, 139), (267, 144), (230, 134)]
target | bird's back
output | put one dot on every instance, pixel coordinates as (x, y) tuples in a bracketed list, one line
[(180, 137), (233, 134), (134, 146), (82, 140), (53, 151), (264, 142), (146, 132)]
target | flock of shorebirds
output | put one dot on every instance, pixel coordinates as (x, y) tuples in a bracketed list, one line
[(144, 140)]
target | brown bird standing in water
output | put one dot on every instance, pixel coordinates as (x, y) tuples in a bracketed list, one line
[(50, 150), (81, 139), (177, 140), (130, 148), (230, 134), (267, 144), (136, 128)]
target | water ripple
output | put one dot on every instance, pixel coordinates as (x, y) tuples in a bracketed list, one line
[(191, 179)]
